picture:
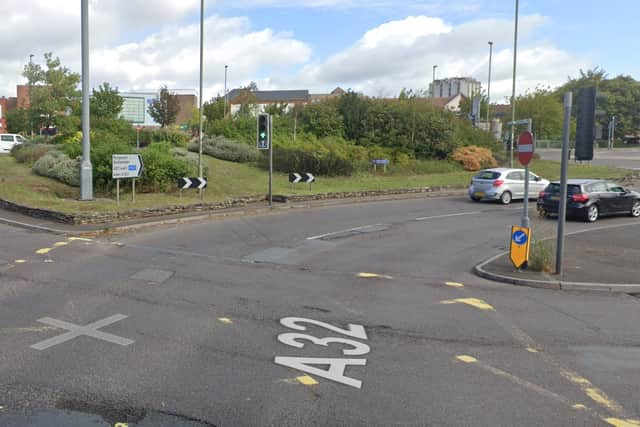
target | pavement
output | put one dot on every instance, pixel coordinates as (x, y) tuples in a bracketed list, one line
[(360, 314)]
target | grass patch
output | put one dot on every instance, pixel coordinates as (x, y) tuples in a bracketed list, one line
[(229, 180), (541, 257)]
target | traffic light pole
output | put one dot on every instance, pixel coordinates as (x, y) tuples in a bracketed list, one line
[(562, 208), (270, 161)]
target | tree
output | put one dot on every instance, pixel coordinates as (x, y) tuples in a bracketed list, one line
[(53, 92), (353, 109), (106, 102), (18, 121), (214, 108), (322, 119), (165, 109), (546, 111)]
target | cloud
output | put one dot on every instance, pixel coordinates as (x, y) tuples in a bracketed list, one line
[(402, 53)]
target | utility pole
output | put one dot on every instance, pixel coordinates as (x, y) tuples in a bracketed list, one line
[(562, 208), (489, 86), (513, 92), (86, 169), (30, 84), (224, 114)]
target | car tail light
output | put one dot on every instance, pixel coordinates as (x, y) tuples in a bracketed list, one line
[(498, 183), (541, 195), (580, 198)]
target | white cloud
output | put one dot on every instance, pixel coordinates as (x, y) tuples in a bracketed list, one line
[(402, 53)]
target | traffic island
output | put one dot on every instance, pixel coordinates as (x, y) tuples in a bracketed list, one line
[(603, 259)]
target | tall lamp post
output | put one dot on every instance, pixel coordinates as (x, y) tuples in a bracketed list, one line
[(513, 91), (30, 84), (433, 84), (201, 84), (86, 169), (224, 114), (489, 86)]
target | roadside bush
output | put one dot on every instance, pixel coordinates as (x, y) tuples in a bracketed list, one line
[(192, 159), (174, 137), (101, 152), (29, 152), (474, 158), (541, 256), (226, 149), (57, 165), (328, 156), (161, 168)]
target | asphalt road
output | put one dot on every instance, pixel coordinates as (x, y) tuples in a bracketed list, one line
[(626, 158), (183, 326)]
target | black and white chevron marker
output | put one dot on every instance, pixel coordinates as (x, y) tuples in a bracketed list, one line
[(186, 183), (295, 178)]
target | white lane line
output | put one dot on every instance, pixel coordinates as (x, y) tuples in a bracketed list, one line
[(425, 218), (321, 236)]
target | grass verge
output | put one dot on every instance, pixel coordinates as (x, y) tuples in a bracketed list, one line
[(230, 180)]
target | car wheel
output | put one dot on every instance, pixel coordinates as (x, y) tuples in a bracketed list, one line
[(592, 213), (635, 210), (505, 198)]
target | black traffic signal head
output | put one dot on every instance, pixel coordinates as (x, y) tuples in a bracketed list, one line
[(263, 131), (585, 129)]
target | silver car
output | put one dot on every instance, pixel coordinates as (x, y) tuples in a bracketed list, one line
[(504, 185)]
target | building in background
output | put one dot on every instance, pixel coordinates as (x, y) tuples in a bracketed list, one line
[(135, 108), (262, 99), (446, 88), (336, 93), (451, 103)]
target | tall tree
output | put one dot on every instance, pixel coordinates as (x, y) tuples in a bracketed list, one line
[(165, 109), (353, 109), (322, 119), (545, 109), (53, 91), (106, 102)]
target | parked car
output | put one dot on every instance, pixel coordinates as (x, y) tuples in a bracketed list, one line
[(504, 185), (8, 140), (590, 199)]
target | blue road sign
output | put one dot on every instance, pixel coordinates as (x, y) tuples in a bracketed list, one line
[(520, 237)]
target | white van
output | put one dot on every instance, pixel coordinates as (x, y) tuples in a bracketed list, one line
[(8, 140)]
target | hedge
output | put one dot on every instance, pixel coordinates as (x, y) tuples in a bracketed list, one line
[(57, 165)]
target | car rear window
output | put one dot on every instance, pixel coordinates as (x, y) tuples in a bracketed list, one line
[(571, 189), (487, 175)]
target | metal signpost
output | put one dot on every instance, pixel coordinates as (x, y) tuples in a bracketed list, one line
[(195, 183), (265, 124), (295, 178), (521, 236), (138, 129), (126, 166), (382, 162), (562, 208)]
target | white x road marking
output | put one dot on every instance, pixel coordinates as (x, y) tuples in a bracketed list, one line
[(90, 330)]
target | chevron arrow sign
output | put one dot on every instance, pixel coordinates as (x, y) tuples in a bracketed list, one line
[(186, 183)]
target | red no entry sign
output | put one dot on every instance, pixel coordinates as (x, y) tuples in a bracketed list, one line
[(525, 148)]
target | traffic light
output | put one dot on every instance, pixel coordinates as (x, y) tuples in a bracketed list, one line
[(585, 129), (264, 136)]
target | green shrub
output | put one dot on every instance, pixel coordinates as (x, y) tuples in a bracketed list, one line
[(226, 149), (174, 137), (541, 256), (119, 128), (161, 168), (57, 165), (29, 152), (192, 159), (101, 152)]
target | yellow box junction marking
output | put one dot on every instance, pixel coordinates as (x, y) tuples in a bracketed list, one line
[(307, 380), (616, 422), (225, 320), (374, 276), (473, 302), (467, 359), (44, 251)]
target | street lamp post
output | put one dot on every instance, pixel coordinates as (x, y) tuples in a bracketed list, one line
[(513, 91), (30, 84), (86, 169), (224, 115), (201, 85), (489, 86), (433, 84)]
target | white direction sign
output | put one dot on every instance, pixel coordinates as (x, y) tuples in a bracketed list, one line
[(126, 166)]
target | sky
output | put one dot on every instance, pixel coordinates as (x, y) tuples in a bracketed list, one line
[(376, 47)]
